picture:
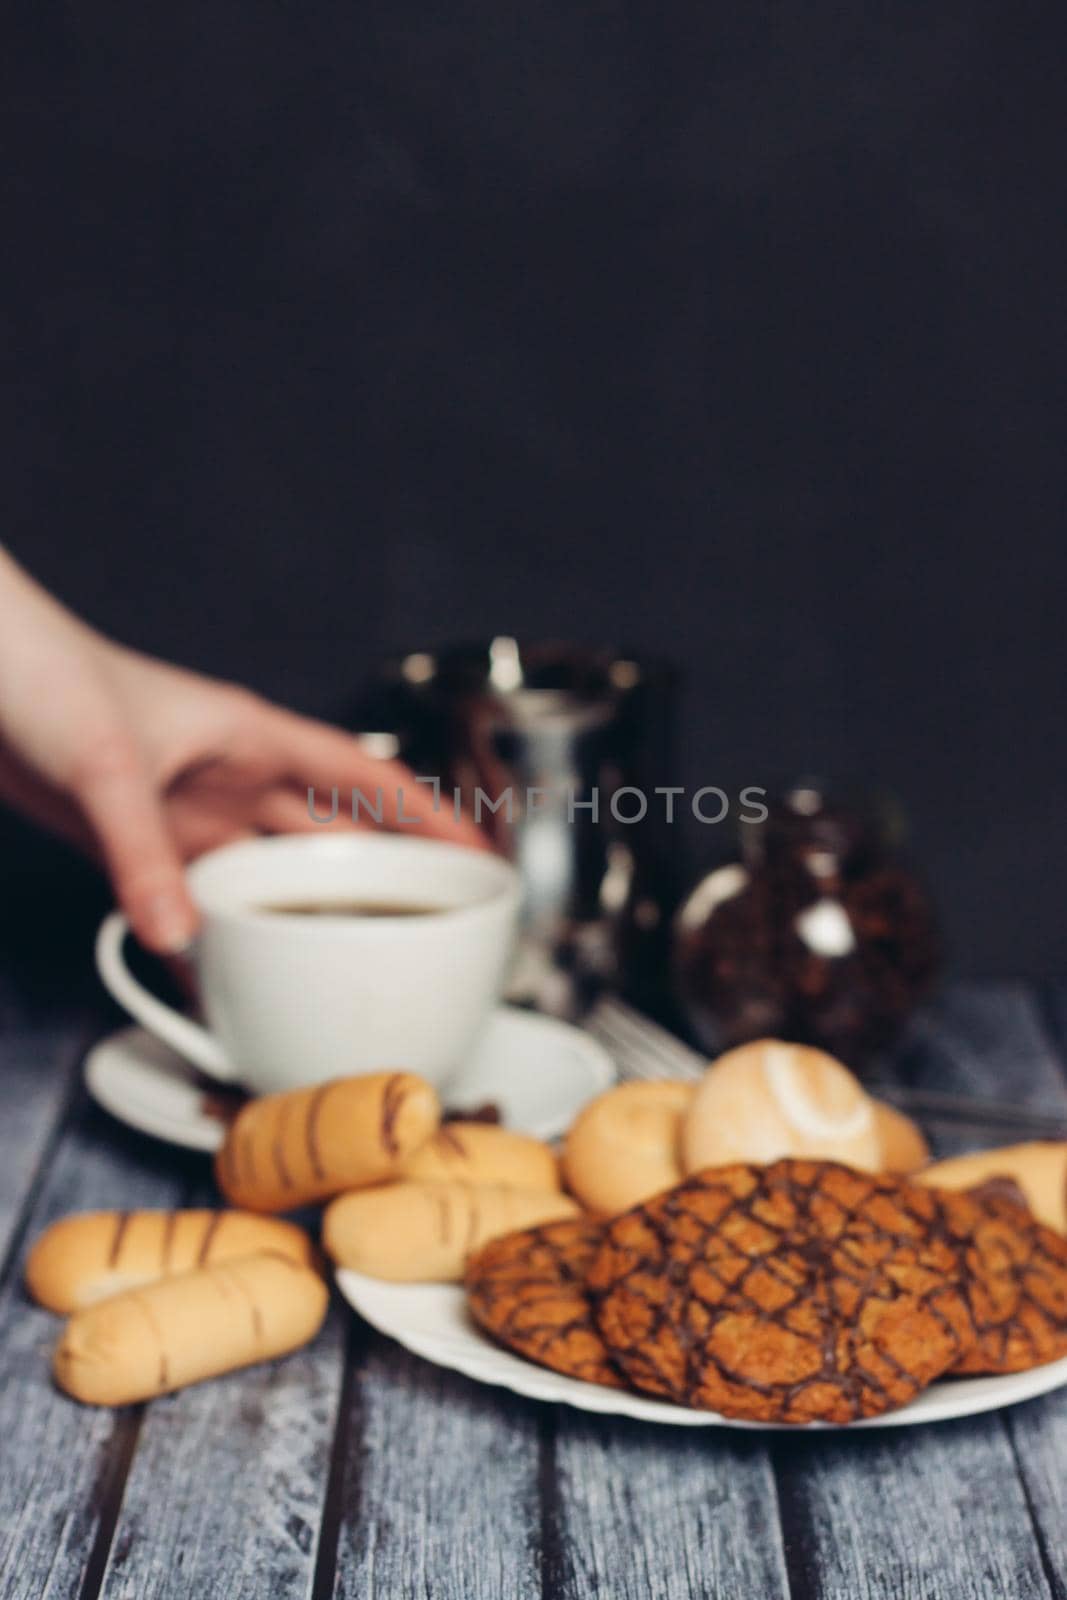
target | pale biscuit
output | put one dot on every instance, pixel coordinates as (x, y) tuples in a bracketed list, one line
[(288, 1150), (93, 1254), (624, 1146), (769, 1099), (424, 1232), (177, 1331), (478, 1152)]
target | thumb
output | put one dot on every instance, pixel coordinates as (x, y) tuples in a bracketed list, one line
[(123, 810)]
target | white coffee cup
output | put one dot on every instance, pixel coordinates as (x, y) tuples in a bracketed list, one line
[(292, 999)]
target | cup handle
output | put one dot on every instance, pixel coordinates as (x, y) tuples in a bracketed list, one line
[(190, 1040)]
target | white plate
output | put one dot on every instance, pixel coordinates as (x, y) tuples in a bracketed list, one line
[(432, 1321), (540, 1073)]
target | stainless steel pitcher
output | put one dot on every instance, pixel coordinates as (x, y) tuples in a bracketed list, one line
[(541, 740)]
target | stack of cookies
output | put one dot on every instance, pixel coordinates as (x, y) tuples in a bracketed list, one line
[(774, 1244), (799, 1291)]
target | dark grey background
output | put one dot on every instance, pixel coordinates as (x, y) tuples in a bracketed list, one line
[(732, 332)]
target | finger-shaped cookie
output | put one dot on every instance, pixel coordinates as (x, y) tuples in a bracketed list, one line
[(424, 1232), (177, 1331), (93, 1254), (287, 1150), (477, 1152)]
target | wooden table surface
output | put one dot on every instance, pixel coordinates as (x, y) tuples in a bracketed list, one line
[(352, 1469)]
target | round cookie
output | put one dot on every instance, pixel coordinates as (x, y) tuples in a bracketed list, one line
[(623, 1146), (528, 1290), (1014, 1277), (804, 1291), (482, 1153), (770, 1099)]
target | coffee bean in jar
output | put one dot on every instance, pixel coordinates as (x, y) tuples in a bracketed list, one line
[(819, 933)]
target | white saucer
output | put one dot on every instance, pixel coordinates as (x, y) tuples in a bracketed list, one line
[(538, 1071), (431, 1320)]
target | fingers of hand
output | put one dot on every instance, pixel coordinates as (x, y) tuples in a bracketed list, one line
[(286, 810), (320, 757), (119, 801)]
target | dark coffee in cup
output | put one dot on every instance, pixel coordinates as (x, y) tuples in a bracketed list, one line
[(348, 908)]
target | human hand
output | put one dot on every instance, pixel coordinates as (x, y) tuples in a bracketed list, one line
[(147, 765)]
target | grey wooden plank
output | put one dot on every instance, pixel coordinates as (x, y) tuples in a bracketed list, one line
[(440, 1495), (656, 1513), (57, 1458), (266, 1434), (938, 1512), (39, 1063), (225, 1495), (1038, 1433)]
